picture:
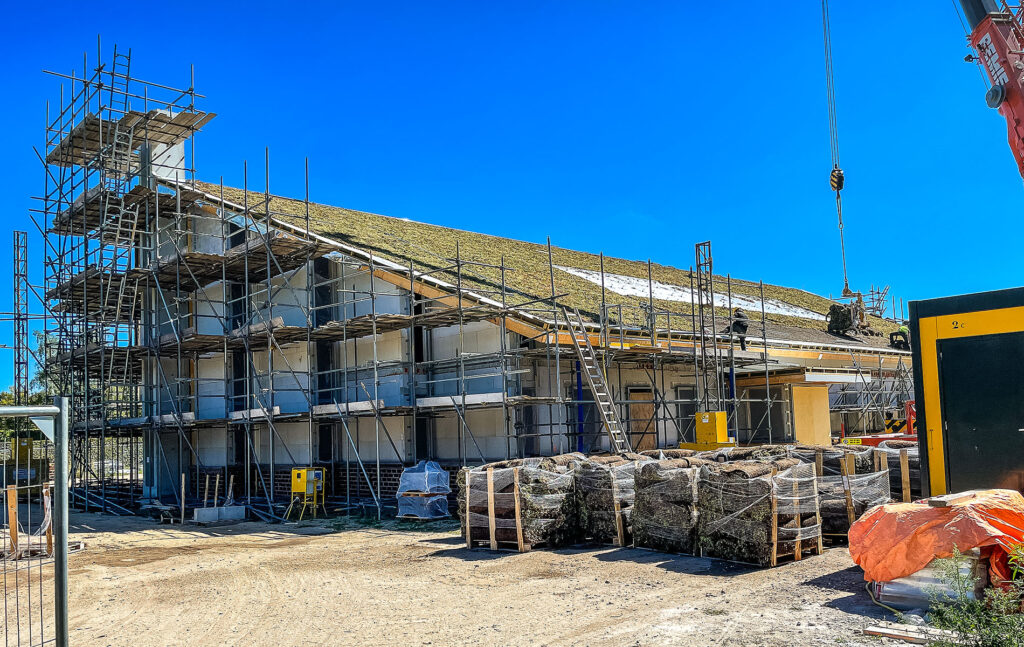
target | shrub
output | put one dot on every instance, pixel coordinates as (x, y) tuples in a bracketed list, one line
[(994, 621)]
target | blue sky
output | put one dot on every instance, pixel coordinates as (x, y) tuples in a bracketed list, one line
[(636, 129)]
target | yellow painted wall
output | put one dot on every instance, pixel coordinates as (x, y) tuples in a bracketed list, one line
[(811, 422)]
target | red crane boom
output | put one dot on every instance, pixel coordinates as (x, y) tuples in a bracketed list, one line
[(997, 37)]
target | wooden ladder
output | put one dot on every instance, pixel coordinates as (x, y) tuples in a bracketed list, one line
[(617, 439)]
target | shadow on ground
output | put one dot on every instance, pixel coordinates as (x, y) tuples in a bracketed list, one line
[(857, 601)]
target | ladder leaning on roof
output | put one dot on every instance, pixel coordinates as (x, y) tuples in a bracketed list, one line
[(618, 441)]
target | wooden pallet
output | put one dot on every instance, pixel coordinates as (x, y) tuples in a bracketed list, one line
[(815, 548), (910, 633)]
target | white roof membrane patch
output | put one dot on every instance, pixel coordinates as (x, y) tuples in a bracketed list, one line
[(632, 286)]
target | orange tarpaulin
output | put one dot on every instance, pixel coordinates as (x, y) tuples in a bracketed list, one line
[(899, 539)]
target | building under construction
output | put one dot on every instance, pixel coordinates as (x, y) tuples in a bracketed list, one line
[(202, 329)]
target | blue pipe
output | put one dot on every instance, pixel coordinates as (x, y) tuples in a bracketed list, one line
[(579, 408)]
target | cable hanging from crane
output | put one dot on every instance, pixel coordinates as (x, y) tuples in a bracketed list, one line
[(836, 177)]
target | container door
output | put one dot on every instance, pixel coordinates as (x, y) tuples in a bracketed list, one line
[(982, 384)]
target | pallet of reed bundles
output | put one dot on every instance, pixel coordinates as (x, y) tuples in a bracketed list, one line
[(904, 460), (833, 459), (754, 453), (757, 512), (851, 480), (604, 496), (843, 499), (662, 454), (520, 504), (664, 509)]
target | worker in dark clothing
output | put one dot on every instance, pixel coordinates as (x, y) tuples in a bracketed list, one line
[(901, 338), (740, 321)]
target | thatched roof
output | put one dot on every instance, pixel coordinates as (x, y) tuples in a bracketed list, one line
[(528, 274)]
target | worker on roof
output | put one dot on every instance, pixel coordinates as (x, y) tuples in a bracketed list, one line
[(738, 326), (901, 338)]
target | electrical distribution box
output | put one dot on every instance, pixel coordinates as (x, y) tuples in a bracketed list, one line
[(307, 489), (307, 481)]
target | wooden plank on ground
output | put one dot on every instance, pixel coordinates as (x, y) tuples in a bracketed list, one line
[(819, 463), (909, 633)]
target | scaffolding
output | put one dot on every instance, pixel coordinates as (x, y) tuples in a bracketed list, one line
[(202, 330)]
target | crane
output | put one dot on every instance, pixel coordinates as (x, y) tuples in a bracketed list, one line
[(997, 37)]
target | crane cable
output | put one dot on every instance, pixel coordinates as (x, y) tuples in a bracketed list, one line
[(836, 177)]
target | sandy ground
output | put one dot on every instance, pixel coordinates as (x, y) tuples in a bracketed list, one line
[(140, 584)]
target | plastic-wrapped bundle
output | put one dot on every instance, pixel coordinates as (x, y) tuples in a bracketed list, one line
[(524, 498), (832, 457), (662, 454), (904, 473), (738, 517), (561, 462), (605, 493), (754, 453), (423, 507), (796, 504), (865, 492), (664, 512), (425, 476)]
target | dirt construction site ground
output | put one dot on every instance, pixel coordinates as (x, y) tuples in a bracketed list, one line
[(345, 583)]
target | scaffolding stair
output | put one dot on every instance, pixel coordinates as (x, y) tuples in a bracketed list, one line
[(590, 367)]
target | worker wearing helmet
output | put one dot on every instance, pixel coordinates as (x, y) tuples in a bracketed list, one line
[(901, 338)]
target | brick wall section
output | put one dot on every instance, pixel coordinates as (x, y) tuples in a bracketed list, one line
[(390, 474), (356, 486)]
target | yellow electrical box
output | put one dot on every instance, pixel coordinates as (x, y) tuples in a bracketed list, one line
[(712, 431), (307, 481), (307, 489)]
